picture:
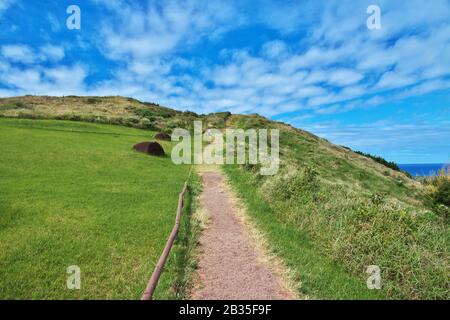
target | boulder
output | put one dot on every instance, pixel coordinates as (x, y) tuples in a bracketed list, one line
[(163, 136), (151, 148)]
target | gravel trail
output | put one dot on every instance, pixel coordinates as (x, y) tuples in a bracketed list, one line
[(230, 266)]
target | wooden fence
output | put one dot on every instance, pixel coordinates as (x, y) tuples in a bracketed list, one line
[(151, 286)]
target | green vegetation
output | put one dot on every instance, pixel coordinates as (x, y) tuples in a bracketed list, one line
[(13, 106), (350, 214), (319, 276), (353, 231), (390, 164), (443, 194), (107, 110), (152, 114), (74, 193), (184, 256), (438, 192), (329, 213)]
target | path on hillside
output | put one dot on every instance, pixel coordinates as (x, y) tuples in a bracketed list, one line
[(230, 265)]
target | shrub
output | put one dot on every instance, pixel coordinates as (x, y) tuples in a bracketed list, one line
[(438, 192), (14, 106), (133, 120), (190, 114), (442, 211), (25, 115), (441, 200), (292, 185), (442, 195), (147, 113), (145, 123), (92, 100), (70, 117)]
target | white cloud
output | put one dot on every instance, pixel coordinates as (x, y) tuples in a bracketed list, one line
[(18, 53), (392, 80), (275, 49), (344, 77), (339, 66), (51, 52), (143, 32), (55, 81), (424, 88), (227, 76)]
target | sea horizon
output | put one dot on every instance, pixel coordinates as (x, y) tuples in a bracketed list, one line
[(422, 169)]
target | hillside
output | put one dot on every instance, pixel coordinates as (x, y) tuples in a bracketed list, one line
[(329, 213), (335, 163)]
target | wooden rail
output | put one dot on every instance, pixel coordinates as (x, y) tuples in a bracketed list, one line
[(151, 286)]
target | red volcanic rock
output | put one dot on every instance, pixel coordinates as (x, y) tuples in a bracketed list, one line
[(163, 136), (151, 148)]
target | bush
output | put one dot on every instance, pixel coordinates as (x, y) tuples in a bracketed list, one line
[(14, 106), (438, 192), (145, 123), (133, 120), (92, 100), (292, 185), (442, 195), (147, 113), (69, 117)]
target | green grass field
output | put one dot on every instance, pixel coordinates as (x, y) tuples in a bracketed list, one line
[(74, 193)]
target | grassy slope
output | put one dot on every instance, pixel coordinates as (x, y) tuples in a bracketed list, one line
[(328, 225), (76, 194), (320, 278), (108, 110), (345, 212)]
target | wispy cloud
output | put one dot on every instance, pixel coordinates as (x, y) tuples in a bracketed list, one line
[(295, 60), (337, 60), (154, 29), (20, 53), (420, 141)]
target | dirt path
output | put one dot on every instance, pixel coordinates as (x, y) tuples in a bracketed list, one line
[(230, 265)]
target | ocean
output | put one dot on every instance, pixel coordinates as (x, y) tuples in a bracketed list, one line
[(422, 169)]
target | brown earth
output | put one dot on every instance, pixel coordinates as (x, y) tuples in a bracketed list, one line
[(230, 266)]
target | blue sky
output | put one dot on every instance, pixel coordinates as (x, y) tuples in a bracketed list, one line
[(313, 64)]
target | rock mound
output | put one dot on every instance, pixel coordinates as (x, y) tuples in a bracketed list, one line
[(151, 148), (163, 136)]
